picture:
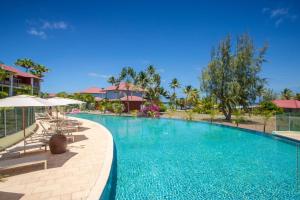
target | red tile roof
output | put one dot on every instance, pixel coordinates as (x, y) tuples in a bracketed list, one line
[(93, 90), (124, 86), (132, 98), (18, 72), (287, 103)]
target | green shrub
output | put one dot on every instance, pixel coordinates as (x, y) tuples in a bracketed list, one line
[(118, 107), (134, 113), (189, 115), (3, 95), (162, 107), (239, 117)]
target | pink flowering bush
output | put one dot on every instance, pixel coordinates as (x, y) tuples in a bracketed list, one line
[(150, 110)]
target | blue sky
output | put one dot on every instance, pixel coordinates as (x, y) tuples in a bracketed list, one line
[(84, 42)]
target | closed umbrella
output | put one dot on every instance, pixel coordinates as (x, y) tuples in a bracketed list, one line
[(25, 101)]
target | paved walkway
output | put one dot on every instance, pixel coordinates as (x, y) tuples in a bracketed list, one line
[(80, 173)]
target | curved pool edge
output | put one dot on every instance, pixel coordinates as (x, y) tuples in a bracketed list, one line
[(103, 177), (257, 132)]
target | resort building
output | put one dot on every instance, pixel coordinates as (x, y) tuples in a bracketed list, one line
[(19, 81), (129, 94), (288, 105), (98, 93)]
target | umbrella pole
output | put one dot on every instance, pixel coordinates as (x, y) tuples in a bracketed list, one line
[(23, 121), (56, 118)]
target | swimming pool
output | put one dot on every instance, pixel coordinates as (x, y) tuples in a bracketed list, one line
[(176, 159)]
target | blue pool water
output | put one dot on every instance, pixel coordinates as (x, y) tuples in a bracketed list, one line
[(174, 159)]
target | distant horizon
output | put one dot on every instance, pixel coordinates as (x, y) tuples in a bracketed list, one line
[(82, 49)]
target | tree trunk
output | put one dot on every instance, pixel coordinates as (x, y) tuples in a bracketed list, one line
[(227, 114)]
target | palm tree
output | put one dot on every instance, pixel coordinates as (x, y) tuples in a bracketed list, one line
[(25, 63), (193, 96), (287, 94), (174, 84), (39, 70), (187, 89), (142, 79), (128, 75), (112, 80)]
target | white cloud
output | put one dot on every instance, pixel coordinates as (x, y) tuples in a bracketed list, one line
[(60, 25), (93, 74), (279, 12), (35, 32), (279, 15), (41, 28)]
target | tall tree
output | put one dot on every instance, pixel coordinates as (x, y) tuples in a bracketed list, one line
[(39, 70), (112, 80), (287, 94), (297, 96), (174, 84), (232, 77), (128, 75), (150, 81), (268, 95), (28, 64)]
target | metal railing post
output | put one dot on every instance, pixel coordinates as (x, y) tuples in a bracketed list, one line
[(289, 122), (16, 119), (4, 122)]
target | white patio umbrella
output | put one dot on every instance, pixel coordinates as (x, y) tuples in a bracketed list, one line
[(25, 101), (66, 101)]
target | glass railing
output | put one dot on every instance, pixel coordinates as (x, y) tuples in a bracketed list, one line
[(288, 122), (11, 120)]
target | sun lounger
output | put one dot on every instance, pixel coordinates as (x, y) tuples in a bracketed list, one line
[(24, 161)]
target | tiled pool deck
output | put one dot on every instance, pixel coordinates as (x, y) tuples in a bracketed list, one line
[(294, 135), (80, 173)]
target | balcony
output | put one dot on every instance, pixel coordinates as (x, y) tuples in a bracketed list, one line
[(18, 85)]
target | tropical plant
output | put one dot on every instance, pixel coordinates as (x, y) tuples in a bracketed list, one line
[(44, 95), (192, 97), (134, 113), (112, 80), (3, 75), (162, 107), (128, 75), (26, 63), (102, 105), (287, 94), (62, 94), (297, 96), (3, 94), (238, 117), (181, 103), (267, 110), (118, 107), (150, 110), (189, 114), (268, 95), (39, 70), (173, 85), (150, 81), (233, 77), (213, 112)]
